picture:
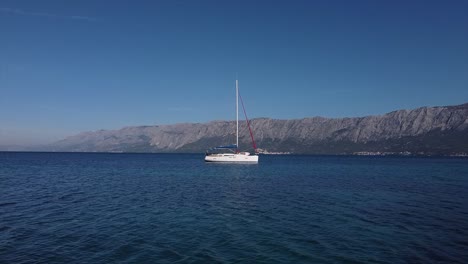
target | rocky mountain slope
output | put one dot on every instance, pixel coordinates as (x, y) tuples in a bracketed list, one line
[(425, 130)]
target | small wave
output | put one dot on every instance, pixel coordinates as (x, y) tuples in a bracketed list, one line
[(7, 204)]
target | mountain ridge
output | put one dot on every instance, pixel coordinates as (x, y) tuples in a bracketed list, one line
[(424, 130)]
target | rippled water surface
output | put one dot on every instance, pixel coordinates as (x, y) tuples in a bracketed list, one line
[(174, 208)]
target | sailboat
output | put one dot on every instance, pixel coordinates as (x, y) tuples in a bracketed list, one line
[(235, 155)]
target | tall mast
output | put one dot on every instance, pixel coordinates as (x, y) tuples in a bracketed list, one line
[(237, 114)]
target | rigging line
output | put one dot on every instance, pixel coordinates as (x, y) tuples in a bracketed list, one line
[(248, 123)]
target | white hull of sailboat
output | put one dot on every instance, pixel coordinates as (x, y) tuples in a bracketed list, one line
[(229, 157)]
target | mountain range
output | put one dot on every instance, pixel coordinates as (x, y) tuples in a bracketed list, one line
[(426, 130)]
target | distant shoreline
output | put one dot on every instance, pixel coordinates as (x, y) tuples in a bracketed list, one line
[(355, 154)]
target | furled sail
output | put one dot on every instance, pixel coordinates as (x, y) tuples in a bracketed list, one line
[(233, 146)]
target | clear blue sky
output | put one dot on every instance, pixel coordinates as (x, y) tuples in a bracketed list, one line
[(72, 66)]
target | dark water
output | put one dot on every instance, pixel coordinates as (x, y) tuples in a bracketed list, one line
[(155, 208)]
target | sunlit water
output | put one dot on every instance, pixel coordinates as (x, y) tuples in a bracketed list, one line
[(175, 208)]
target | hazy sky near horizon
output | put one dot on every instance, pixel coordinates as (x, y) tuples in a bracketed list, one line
[(72, 66)]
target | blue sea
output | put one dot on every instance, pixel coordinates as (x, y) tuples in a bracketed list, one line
[(175, 208)]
